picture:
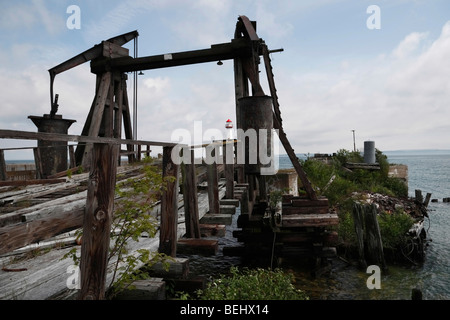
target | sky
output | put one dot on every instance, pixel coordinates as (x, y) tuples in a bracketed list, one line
[(383, 73)]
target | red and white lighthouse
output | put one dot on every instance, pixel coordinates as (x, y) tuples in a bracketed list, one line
[(229, 127)]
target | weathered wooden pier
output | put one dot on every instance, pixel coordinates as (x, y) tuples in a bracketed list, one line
[(296, 226)]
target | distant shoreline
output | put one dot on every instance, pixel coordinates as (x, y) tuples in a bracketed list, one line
[(411, 152)]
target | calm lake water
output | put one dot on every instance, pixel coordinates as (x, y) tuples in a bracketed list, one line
[(429, 173)]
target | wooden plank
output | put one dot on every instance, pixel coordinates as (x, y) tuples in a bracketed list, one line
[(217, 218), (310, 220), (38, 210), (92, 53), (212, 230), (30, 182), (26, 135), (66, 172), (101, 97), (223, 51), (198, 246), (63, 218), (288, 210), (44, 276), (112, 50), (97, 221), (298, 202), (46, 209), (229, 202), (169, 207)]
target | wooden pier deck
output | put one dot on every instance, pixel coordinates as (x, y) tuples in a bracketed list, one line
[(37, 271), (32, 264)]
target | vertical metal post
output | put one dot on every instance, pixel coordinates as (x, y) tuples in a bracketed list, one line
[(354, 143)]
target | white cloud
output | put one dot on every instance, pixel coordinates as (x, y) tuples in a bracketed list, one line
[(18, 16), (271, 24), (156, 86), (29, 16), (397, 100), (53, 22), (409, 45)]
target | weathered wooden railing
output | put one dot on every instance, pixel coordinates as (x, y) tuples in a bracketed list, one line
[(93, 209), (34, 171), (98, 212)]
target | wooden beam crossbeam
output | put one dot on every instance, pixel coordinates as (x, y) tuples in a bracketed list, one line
[(224, 51), (26, 135)]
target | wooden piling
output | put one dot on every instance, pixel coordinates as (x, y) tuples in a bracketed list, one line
[(369, 242), (2, 166), (427, 200), (169, 207), (358, 221), (190, 198), (373, 237), (38, 163), (213, 183), (97, 221), (419, 196), (228, 160), (72, 161)]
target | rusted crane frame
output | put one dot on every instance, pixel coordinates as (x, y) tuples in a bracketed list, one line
[(245, 27), (88, 55)]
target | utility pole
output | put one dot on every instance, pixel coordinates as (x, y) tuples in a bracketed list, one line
[(354, 144)]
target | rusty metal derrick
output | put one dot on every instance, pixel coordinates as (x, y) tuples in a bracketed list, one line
[(245, 49)]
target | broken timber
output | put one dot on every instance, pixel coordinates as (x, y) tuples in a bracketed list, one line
[(46, 276)]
